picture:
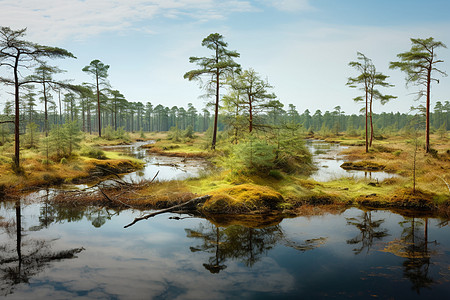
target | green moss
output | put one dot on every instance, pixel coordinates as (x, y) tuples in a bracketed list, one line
[(243, 198), (363, 166)]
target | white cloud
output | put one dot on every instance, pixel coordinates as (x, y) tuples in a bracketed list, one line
[(289, 5), (53, 20)]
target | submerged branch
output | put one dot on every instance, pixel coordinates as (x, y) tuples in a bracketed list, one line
[(192, 203)]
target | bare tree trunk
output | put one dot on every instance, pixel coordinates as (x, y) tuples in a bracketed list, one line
[(371, 122), (250, 112), (45, 111), (16, 118), (216, 113), (367, 144), (427, 134), (98, 109)]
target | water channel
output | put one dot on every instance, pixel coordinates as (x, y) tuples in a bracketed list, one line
[(48, 251), (328, 161)]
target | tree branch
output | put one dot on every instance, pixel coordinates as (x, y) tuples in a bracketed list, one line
[(192, 202)]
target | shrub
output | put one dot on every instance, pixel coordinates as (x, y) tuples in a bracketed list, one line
[(92, 152), (108, 133), (253, 155), (397, 153), (174, 134), (276, 174), (189, 132)]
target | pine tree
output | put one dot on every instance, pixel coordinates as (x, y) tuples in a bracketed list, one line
[(216, 68)]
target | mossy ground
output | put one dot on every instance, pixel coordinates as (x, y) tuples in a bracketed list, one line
[(245, 192), (37, 171)]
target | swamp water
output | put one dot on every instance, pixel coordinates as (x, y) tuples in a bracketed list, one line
[(328, 161), (166, 168), (49, 251), (66, 253)]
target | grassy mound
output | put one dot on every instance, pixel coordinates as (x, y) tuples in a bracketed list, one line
[(403, 198), (362, 166), (243, 198)]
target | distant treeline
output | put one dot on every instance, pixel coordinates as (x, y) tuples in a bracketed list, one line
[(136, 116)]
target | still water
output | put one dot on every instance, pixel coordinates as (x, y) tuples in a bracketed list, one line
[(67, 253), (164, 167), (328, 162)]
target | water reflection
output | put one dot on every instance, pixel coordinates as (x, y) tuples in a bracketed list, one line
[(246, 245), (415, 247), (312, 256), (328, 161), (24, 259), (168, 168), (369, 231)]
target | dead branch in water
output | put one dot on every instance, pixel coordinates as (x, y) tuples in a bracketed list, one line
[(191, 203), (117, 187), (446, 183)]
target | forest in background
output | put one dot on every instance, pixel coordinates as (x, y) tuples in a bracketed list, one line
[(117, 112)]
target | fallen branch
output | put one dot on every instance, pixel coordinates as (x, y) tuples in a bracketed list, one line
[(110, 200), (191, 203), (446, 183)]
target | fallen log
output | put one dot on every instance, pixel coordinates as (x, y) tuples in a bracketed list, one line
[(192, 204)]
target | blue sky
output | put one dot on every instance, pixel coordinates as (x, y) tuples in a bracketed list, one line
[(301, 46)]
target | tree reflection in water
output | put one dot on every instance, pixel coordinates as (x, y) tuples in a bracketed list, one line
[(244, 244), (413, 245), (19, 263), (369, 231), (51, 212)]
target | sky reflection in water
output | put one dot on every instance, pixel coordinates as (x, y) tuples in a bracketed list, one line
[(328, 161), (349, 254)]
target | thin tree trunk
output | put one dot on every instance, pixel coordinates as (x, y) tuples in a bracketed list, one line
[(17, 117), (250, 112), (216, 113), (367, 144), (60, 107), (371, 122), (427, 134), (98, 109)]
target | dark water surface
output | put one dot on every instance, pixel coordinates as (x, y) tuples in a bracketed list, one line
[(66, 253)]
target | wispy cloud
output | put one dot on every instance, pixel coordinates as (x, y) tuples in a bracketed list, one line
[(288, 5), (54, 20)]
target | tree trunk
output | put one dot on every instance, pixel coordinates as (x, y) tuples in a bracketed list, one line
[(427, 133), (16, 117), (250, 112), (98, 109), (371, 122), (367, 144), (216, 113), (60, 107), (45, 107)]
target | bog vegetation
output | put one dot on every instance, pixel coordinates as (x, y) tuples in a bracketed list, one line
[(256, 143)]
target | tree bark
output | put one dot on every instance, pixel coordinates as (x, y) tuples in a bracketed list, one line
[(16, 117), (427, 133), (367, 144), (98, 108), (216, 113)]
